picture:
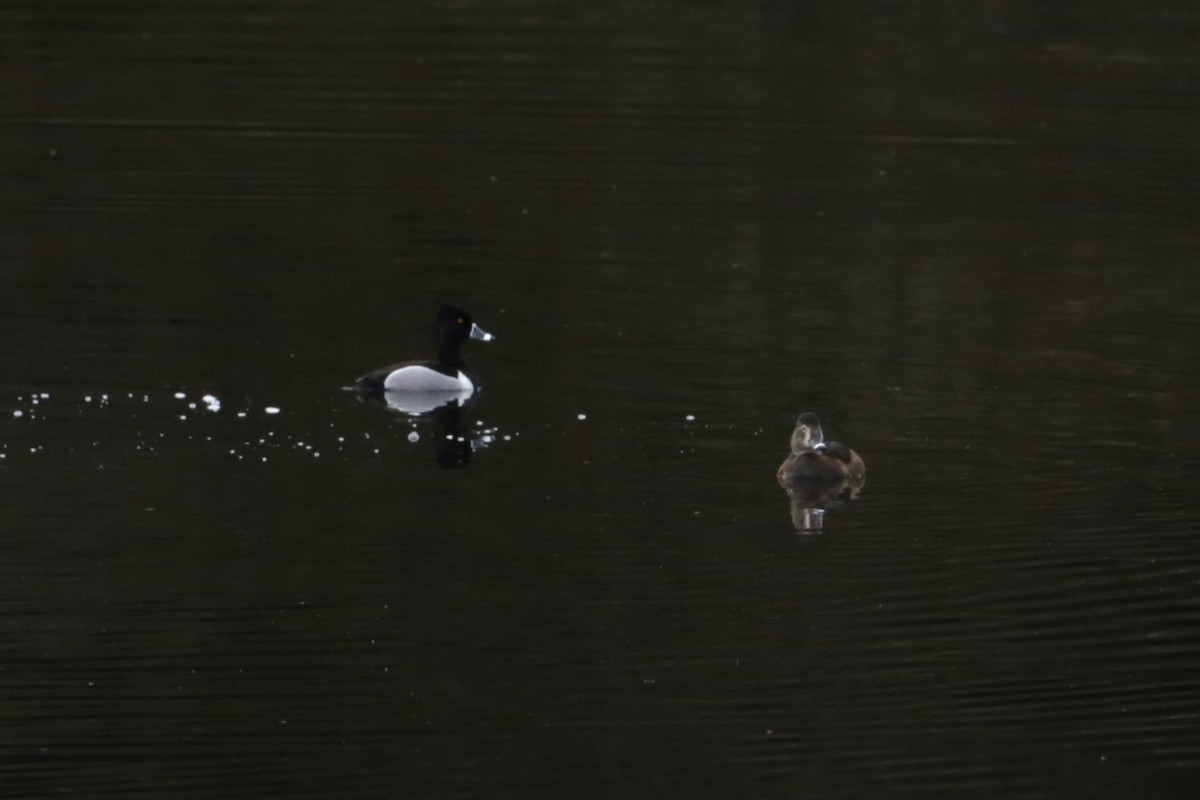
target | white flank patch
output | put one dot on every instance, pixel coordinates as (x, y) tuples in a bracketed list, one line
[(423, 379)]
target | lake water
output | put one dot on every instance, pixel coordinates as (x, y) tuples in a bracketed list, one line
[(966, 236)]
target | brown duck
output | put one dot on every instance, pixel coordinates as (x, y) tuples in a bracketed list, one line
[(815, 460)]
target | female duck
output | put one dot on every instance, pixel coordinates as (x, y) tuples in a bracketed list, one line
[(814, 459), (449, 373)]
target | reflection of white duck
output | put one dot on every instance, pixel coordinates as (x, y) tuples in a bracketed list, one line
[(447, 376), (417, 403)]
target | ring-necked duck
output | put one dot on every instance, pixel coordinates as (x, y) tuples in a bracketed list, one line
[(448, 374), (814, 459)]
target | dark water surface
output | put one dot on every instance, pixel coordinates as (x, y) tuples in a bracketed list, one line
[(965, 236)]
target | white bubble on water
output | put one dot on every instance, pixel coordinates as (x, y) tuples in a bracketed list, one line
[(271, 409), (581, 417), (18, 413), (413, 436), (180, 395)]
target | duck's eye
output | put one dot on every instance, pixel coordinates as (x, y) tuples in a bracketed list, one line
[(461, 321)]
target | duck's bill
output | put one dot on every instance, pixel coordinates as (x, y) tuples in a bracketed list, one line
[(480, 334)]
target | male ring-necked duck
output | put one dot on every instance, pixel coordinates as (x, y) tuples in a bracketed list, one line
[(814, 459), (449, 373)]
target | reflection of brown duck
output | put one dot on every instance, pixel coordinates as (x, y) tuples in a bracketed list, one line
[(810, 499), (816, 461)]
